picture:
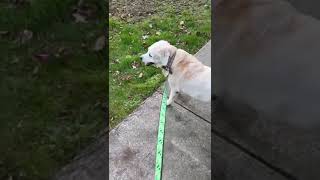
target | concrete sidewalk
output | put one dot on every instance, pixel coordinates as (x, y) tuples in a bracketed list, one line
[(187, 149)]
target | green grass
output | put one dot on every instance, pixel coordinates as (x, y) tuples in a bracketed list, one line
[(127, 89), (50, 114)]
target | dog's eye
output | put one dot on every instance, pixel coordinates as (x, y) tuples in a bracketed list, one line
[(150, 55)]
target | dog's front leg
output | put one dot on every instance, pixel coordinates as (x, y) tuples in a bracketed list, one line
[(171, 96)]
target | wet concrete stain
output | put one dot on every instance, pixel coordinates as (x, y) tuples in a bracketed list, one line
[(128, 154)]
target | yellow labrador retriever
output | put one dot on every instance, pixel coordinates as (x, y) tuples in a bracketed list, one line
[(185, 73)]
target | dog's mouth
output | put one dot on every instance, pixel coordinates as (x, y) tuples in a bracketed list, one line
[(149, 63)]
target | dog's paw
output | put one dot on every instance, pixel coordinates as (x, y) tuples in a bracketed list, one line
[(169, 103)]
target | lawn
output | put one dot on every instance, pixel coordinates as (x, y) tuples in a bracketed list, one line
[(53, 84), (130, 81)]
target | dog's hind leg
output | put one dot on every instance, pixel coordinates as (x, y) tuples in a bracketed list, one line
[(171, 96)]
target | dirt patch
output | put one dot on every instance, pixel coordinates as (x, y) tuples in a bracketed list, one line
[(138, 9)]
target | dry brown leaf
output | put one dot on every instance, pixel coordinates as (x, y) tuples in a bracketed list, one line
[(35, 70), (24, 36), (79, 18), (43, 57), (15, 60), (135, 64), (126, 78), (116, 73), (100, 43), (2, 33)]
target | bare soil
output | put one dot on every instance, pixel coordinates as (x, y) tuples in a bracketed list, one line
[(139, 9)]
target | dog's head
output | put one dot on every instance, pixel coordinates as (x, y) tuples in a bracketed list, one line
[(158, 53)]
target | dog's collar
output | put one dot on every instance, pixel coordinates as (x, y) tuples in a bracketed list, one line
[(169, 64)]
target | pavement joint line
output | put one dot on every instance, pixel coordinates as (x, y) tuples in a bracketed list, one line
[(253, 155), (193, 112), (205, 46)]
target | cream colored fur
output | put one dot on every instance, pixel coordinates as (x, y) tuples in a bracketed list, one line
[(189, 75)]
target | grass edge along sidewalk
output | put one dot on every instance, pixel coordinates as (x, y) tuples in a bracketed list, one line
[(130, 81)]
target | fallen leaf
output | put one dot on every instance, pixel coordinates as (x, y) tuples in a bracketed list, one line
[(181, 23), (79, 18), (24, 36), (150, 25), (15, 60), (2, 33), (135, 65), (140, 75), (42, 57), (19, 124), (100, 43), (97, 104), (126, 78), (116, 73), (122, 16), (86, 12), (35, 70), (158, 33), (145, 37), (61, 50)]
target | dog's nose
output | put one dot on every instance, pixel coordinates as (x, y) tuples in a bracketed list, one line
[(141, 58)]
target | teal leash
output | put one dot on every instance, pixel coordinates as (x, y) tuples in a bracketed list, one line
[(160, 141)]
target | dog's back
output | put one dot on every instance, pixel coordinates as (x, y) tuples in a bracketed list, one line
[(191, 76)]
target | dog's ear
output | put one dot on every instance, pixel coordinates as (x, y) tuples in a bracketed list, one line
[(166, 52)]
